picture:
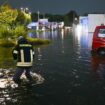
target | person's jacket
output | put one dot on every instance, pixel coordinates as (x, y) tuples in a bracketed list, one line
[(23, 53)]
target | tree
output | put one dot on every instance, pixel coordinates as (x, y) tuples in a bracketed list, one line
[(7, 15), (66, 20), (10, 20), (34, 17), (71, 17), (20, 18)]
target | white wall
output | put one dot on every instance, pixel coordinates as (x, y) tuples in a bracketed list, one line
[(95, 20)]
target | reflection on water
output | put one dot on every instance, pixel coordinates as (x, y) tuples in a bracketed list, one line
[(10, 93), (47, 34), (82, 37), (69, 70), (98, 65)]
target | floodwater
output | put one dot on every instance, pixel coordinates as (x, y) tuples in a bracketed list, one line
[(72, 76)]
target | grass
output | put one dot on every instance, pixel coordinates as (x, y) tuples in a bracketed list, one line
[(33, 41), (38, 41), (7, 43)]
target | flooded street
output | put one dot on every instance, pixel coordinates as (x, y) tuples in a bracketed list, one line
[(72, 76)]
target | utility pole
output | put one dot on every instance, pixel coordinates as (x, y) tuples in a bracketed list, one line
[(38, 21)]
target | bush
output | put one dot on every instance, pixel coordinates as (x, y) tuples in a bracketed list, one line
[(7, 43), (5, 32), (37, 41), (20, 31)]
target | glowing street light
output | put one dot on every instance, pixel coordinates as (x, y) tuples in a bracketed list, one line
[(26, 8), (21, 8)]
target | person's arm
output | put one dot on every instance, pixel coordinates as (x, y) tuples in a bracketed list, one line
[(15, 53)]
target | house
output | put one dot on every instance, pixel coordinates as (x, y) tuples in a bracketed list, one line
[(95, 20), (32, 25), (91, 21)]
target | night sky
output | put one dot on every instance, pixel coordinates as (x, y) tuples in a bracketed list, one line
[(59, 6)]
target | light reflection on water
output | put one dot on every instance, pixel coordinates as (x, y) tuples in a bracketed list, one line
[(47, 34), (72, 75)]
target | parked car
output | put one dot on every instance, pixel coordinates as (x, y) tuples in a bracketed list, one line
[(98, 42)]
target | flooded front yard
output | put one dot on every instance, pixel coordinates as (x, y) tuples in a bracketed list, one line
[(72, 76)]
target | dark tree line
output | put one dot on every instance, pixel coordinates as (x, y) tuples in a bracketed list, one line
[(67, 18)]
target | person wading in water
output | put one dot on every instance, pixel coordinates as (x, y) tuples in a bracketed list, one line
[(23, 53)]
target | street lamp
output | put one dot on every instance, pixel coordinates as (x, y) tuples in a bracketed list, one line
[(38, 20), (38, 15), (21, 8)]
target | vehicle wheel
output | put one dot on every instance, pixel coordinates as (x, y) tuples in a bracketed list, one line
[(101, 51)]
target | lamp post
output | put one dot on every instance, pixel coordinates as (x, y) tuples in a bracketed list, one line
[(38, 20), (38, 15)]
